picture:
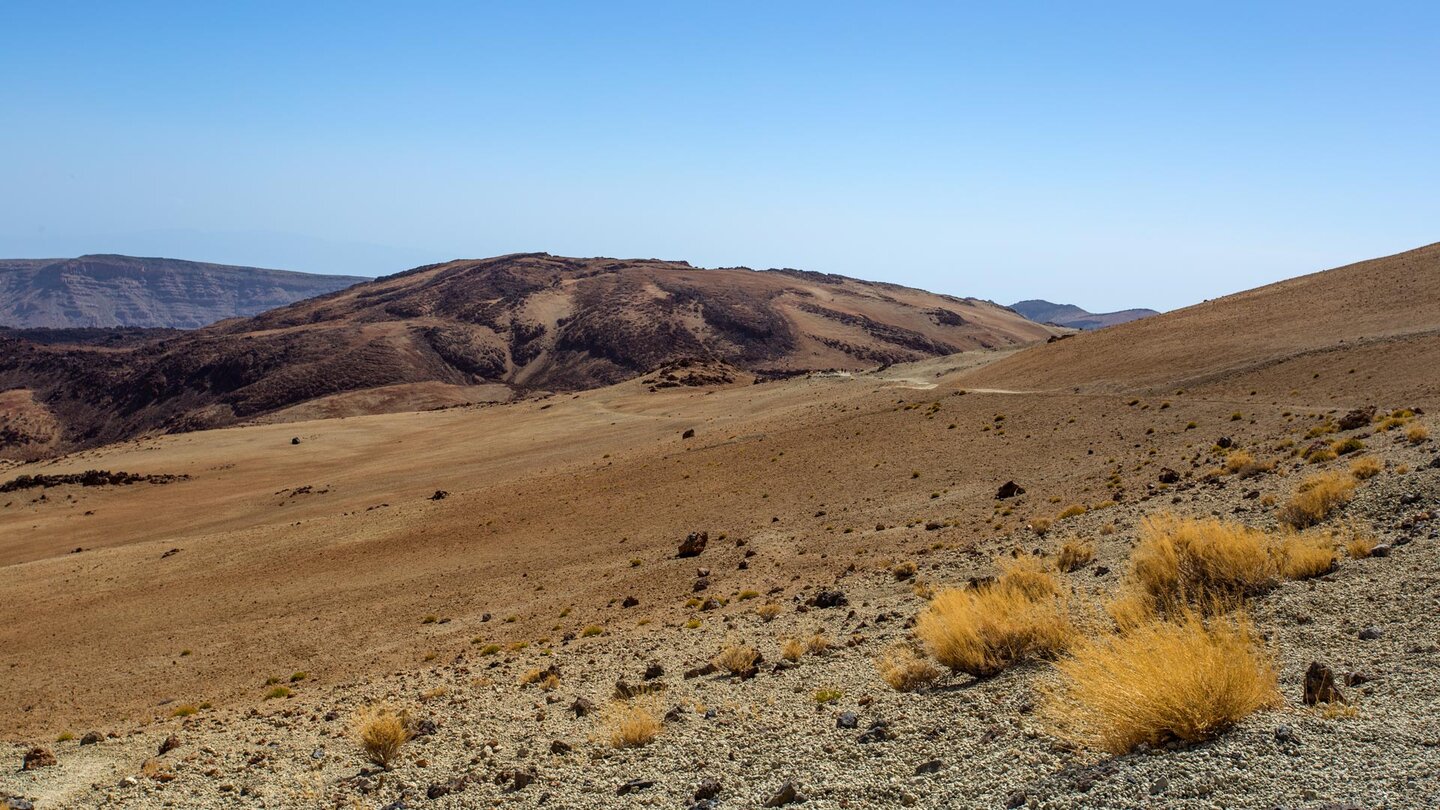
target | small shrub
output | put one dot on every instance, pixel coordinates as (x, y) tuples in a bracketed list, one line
[(744, 595), (1359, 546), (1185, 561), (1028, 575), (826, 694), (1417, 434), (692, 623), (185, 710), (1072, 510), (1366, 468), (903, 571), (1162, 681), (381, 731), (768, 611), (591, 631), (631, 727), (791, 649), (278, 692), (1040, 526), (1074, 555), (736, 658), (1306, 556), (904, 670), (431, 619), (490, 649), (817, 644), (984, 630), (1345, 447), (65, 736), (1316, 498), (296, 677)]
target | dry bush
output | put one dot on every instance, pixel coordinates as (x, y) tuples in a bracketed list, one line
[(1028, 575), (1040, 525), (817, 644), (1303, 556), (903, 571), (984, 630), (791, 649), (1132, 608), (1238, 460), (1073, 510), (768, 611), (1185, 561), (736, 658), (1074, 555), (1417, 434), (630, 726), (381, 731), (1186, 680), (1345, 447), (1359, 546), (904, 670), (1366, 468), (1317, 497)]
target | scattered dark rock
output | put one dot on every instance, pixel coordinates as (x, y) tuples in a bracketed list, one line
[(295, 440), (89, 478), (847, 720), (1285, 734), (634, 785), (1381, 550), (653, 671), (879, 731), (829, 599), (787, 794), (701, 584), (91, 738), (1371, 633), (1160, 786), (439, 495), (1358, 418), (629, 602), (697, 672), (1009, 489), (1016, 799), (518, 778), (582, 707), (16, 803), (171, 553), (694, 544), (170, 744), (1168, 476), (560, 747), (1320, 685), (1101, 570), (688, 434), (933, 766), (1224, 443), (707, 789), (37, 757)]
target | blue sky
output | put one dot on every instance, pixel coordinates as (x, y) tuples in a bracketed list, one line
[(1106, 154)]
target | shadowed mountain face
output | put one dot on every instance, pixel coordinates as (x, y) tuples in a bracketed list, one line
[(1042, 311), (527, 322), (107, 291)]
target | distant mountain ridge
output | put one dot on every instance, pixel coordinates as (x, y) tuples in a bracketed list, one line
[(510, 324), (105, 290), (1042, 311)]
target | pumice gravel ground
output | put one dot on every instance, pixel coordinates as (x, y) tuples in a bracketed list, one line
[(488, 741)]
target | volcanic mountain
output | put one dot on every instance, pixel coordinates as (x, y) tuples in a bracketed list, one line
[(484, 330), (107, 290), (1042, 311)]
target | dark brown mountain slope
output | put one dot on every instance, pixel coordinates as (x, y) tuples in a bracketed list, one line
[(106, 291), (1360, 330), (1041, 311), (530, 321)]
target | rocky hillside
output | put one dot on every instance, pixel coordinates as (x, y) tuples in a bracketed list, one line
[(1042, 311), (528, 321), (106, 291)]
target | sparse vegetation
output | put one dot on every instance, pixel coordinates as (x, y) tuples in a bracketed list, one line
[(1073, 510), (1359, 546), (1181, 561), (768, 611), (381, 732), (1074, 555), (791, 649), (982, 631), (827, 694), (591, 631), (1316, 498), (277, 692), (631, 726), (1161, 681), (185, 710), (1305, 556), (904, 670), (1365, 468), (736, 658), (1417, 434)]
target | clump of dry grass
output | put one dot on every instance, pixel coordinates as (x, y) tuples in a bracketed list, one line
[(631, 726), (1417, 434), (1359, 546), (1366, 468), (982, 631), (817, 644), (1040, 525), (1162, 681), (768, 611), (791, 649), (736, 658), (1073, 510), (1074, 555), (1304, 556), (381, 731), (1183, 561), (903, 571), (1317, 497), (904, 670)]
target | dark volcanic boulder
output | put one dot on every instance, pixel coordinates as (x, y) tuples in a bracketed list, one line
[(694, 544), (1009, 489)]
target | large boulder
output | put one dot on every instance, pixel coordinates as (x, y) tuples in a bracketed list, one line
[(694, 544)]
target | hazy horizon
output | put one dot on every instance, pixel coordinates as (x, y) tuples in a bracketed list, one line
[(1137, 156)]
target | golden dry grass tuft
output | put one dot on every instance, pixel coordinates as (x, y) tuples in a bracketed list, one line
[(1182, 561), (982, 631), (1074, 555), (1073, 510), (1317, 496), (1186, 680), (1417, 434), (1359, 546), (1366, 468), (381, 731), (768, 611), (905, 670), (630, 726), (736, 658), (1302, 556)]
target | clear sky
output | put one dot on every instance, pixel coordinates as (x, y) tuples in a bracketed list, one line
[(1105, 154)]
